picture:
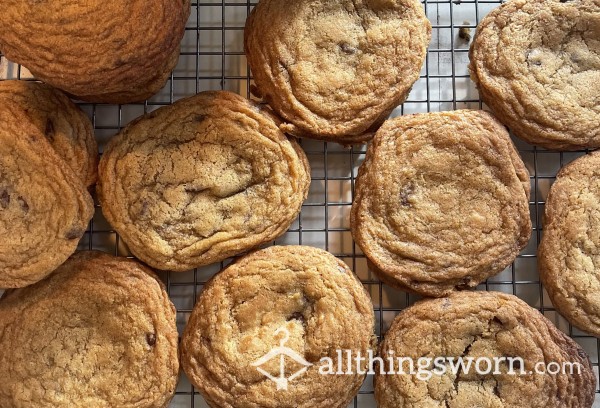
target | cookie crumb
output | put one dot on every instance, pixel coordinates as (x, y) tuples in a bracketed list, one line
[(465, 32)]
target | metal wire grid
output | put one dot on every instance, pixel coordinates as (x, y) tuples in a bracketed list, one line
[(212, 57)]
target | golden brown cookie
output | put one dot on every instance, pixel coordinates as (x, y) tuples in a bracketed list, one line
[(537, 65), (99, 332), (334, 70), (481, 326), (202, 180), (44, 207), (442, 201), (300, 297), (98, 50), (66, 127), (568, 253)]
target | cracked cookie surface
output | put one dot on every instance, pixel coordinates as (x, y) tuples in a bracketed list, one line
[(98, 50), (442, 201), (44, 207), (482, 325), (202, 180), (537, 65), (98, 332), (334, 70), (66, 127), (569, 252), (305, 290)]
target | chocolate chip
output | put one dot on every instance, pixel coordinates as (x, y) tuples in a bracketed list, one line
[(405, 194), (120, 62), (23, 204), (297, 316), (49, 132), (348, 49), (533, 57), (74, 233), (516, 364), (199, 118), (151, 339), (4, 199), (144, 209), (464, 283), (464, 34)]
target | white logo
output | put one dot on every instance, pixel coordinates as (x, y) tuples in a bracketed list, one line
[(282, 352)]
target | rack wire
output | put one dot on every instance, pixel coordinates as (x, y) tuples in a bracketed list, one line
[(212, 58)]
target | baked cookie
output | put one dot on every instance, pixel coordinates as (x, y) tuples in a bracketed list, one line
[(335, 70), (109, 51), (44, 207), (537, 66), (204, 179), (501, 333), (66, 127), (568, 254), (297, 297), (99, 332), (442, 201)]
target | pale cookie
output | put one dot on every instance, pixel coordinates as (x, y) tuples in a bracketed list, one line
[(301, 297), (334, 70), (442, 201), (569, 251), (204, 179), (537, 66), (99, 332)]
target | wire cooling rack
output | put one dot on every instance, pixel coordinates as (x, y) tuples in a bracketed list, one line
[(212, 58)]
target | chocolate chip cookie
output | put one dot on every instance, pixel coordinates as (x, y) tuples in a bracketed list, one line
[(482, 327), (300, 298), (66, 127), (44, 207), (109, 51), (537, 65), (207, 178), (98, 332), (568, 253), (334, 70), (442, 201)]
